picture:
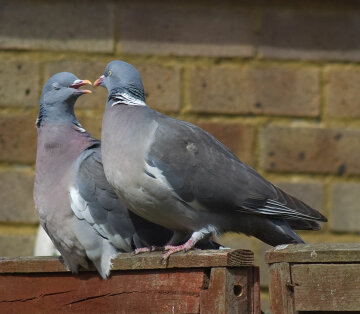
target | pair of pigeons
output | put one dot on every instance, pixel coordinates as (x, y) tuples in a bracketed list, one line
[(152, 181)]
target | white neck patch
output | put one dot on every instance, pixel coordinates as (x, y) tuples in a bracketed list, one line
[(125, 98), (79, 127)]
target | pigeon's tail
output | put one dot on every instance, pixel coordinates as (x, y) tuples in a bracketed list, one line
[(102, 261), (276, 232), (307, 216), (272, 231), (301, 224), (97, 249)]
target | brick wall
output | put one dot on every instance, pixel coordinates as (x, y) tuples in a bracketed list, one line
[(277, 82)]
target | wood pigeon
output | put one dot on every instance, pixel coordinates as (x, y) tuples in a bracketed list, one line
[(76, 206), (177, 175)]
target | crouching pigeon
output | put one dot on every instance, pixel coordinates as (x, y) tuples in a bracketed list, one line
[(177, 175), (76, 206)]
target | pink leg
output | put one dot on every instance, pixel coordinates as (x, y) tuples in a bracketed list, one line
[(195, 237), (171, 249), (148, 249)]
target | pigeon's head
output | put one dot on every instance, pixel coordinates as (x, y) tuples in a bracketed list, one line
[(59, 95), (121, 78), (62, 87)]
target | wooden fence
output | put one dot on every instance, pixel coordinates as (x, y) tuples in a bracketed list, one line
[(315, 277), (224, 281)]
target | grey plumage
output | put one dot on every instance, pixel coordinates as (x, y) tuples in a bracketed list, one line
[(177, 175), (76, 205)]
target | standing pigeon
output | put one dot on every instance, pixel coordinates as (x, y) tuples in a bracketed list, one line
[(177, 175), (76, 205)]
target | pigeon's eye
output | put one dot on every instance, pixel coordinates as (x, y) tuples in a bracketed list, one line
[(109, 73), (56, 86)]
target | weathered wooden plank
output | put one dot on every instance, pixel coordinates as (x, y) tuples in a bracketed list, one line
[(326, 287), (281, 289), (128, 261), (31, 264), (315, 253), (255, 297), (148, 291), (231, 290), (195, 258)]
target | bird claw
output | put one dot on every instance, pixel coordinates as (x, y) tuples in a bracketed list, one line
[(148, 249), (142, 250), (171, 249)]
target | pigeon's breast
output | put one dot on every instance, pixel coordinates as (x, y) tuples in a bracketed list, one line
[(126, 139), (127, 136)]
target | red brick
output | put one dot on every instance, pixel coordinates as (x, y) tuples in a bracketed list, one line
[(271, 90), (83, 70), (342, 93), (344, 209), (162, 86), (184, 28), (19, 83), (18, 137), (313, 150), (310, 34), (16, 194), (239, 138), (161, 83), (57, 25), (13, 245), (310, 192)]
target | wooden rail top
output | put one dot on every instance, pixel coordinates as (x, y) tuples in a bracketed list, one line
[(129, 261), (315, 253)]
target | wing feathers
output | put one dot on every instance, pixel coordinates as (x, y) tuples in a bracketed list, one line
[(213, 177)]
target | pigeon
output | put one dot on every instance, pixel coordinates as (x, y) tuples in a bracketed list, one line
[(77, 207), (177, 175)]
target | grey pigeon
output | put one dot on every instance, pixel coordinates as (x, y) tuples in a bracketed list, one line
[(177, 175), (77, 207)]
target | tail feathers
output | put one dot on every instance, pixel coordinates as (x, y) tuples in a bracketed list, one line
[(301, 224), (102, 261), (73, 260), (275, 232), (281, 205), (100, 257), (304, 210), (97, 249)]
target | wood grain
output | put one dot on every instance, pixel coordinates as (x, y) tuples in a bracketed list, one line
[(129, 261), (193, 282), (315, 253), (326, 287), (232, 291), (281, 289), (148, 291)]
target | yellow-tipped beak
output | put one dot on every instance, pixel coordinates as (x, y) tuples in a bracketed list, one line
[(99, 81), (78, 83), (87, 82)]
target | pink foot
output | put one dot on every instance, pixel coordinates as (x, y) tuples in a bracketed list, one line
[(171, 249), (147, 249)]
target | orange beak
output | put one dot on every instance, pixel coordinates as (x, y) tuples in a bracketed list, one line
[(78, 83), (99, 81)]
